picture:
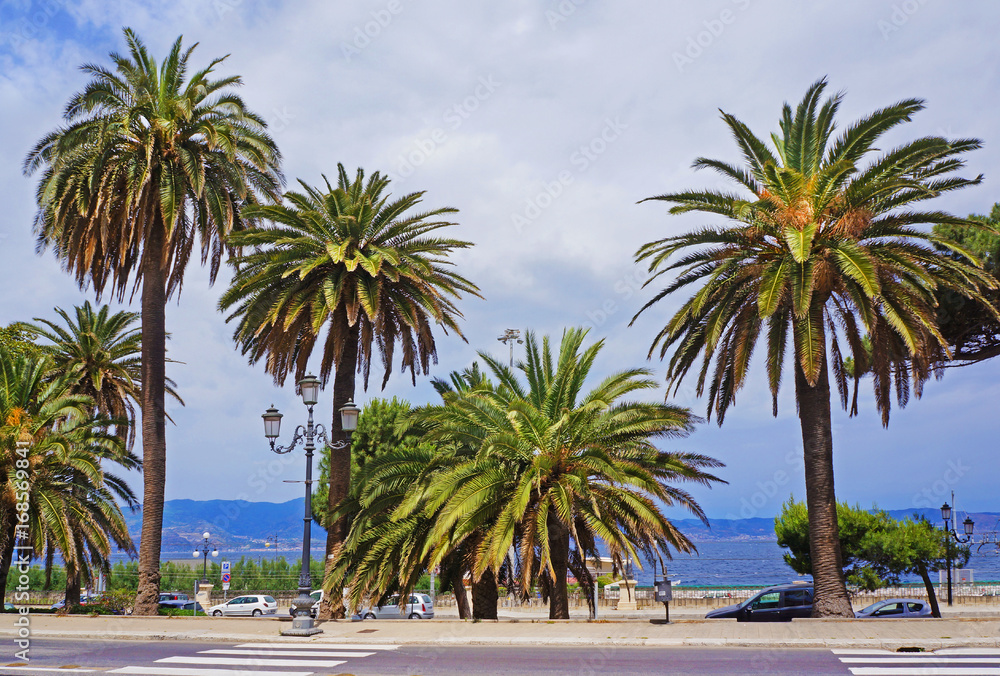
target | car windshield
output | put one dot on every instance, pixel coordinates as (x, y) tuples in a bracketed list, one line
[(269, 599), (872, 607)]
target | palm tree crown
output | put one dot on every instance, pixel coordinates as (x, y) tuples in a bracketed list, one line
[(148, 150), (355, 260), (824, 245)]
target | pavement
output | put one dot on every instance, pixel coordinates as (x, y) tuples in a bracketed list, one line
[(957, 630)]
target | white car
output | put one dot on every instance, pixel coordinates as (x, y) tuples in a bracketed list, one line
[(253, 605), (317, 596), (420, 607)]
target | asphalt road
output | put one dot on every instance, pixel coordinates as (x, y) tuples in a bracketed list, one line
[(168, 658)]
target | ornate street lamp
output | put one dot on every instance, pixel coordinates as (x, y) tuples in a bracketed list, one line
[(302, 622), (204, 551), (950, 533)]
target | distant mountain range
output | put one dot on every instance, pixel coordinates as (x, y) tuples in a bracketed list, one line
[(236, 525)]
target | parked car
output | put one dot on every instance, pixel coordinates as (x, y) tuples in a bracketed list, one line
[(780, 603), (173, 596), (896, 608), (419, 607), (253, 605), (85, 599), (181, 604), (317, 596)]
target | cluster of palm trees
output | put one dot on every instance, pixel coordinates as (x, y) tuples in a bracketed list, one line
[(824, 241), (521, 474), (64, 408)]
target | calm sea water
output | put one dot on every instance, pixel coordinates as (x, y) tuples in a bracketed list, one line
[(724, 564), (717, 564)]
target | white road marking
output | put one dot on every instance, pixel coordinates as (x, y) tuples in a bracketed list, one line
[(321, 646), (273, 652), (931, 659), (923, 671), (248, 662), (78, 670), (180, 671)]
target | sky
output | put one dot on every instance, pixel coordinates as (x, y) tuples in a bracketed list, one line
[(544, 123)]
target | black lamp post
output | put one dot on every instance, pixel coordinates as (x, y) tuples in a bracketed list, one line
[(950, 533), (204, 551), (302, 623)]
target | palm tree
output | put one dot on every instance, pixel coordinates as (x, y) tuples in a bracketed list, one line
[(556, 465), (829, 247), (100, 353), (150, 160), (363, 264), (71, 499), (386, 549)]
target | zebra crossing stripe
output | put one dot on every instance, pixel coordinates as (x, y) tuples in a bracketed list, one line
[(272, 652), (321, 646), (247, 662), (181, 671), (924, 671)]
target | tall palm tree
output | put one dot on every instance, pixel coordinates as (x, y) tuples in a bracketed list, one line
[(150, 160), (556, 465), (825, 242), (370, 269)]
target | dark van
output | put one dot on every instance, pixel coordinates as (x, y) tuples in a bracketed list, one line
[(780, 603)]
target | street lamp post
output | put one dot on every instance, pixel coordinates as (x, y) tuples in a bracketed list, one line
[(302, 622), (511, 336), (950, 533), (204, 551)]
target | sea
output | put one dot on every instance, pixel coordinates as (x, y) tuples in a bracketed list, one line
[(734, 563)]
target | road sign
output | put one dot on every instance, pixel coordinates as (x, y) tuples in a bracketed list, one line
[(226, 577)]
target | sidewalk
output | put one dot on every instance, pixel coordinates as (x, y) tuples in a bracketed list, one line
[(929, 634)]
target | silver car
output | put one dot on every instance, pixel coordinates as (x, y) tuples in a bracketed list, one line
[(253, 605), (419, 607), (896, 609)]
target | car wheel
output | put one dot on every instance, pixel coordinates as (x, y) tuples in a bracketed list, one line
[(217, 613), (414, 616), (370, 616), (257, 613)]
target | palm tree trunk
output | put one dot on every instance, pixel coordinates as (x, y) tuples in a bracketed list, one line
[(72, 585), (485, 596), (559, 553), (7, 530), (154, 442), (831, 598), (340, 469), (931, 596), (461, 600), (50, 553)]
